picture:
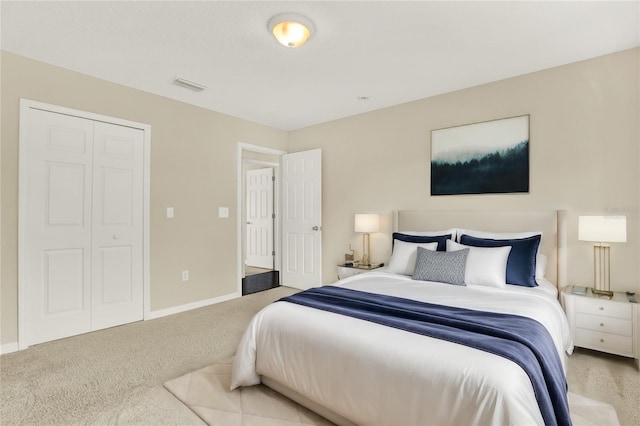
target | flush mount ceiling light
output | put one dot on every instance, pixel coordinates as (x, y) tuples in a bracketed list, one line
[(290, 29)]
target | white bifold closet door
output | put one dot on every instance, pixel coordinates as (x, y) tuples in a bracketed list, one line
[(84, 230)]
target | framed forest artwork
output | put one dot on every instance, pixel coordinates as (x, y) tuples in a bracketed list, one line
[(481, 158)]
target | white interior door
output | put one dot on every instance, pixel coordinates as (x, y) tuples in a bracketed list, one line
[(82, 214), (58, 248), (260, 218), (302, 219), (117, 244)]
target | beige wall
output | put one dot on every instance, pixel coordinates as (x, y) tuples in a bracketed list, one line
[(193, 169), (583, 156)]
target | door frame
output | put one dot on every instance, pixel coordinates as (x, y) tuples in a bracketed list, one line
[(240, 194), (23, 188)]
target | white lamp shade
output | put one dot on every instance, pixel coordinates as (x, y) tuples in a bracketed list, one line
[(604, 229), (367, 223)]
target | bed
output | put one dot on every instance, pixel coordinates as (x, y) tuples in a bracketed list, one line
[(355, 371)]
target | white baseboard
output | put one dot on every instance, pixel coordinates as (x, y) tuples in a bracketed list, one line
[(189, 306), (7, 348)]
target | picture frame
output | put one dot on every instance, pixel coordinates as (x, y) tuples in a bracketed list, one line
[(490, 157)]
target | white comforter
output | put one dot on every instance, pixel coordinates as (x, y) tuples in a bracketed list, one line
[(377, 375)]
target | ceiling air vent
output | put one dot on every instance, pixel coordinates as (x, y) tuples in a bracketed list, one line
[(188, 84)]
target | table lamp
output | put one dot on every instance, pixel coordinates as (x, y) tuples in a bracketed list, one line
[(602, 230), (367, 223)]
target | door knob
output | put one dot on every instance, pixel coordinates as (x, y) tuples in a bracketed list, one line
[(317, 228)]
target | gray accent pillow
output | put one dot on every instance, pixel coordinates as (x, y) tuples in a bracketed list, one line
[(441, 266)]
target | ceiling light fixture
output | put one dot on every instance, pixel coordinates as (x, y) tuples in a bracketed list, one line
[(188, 84), (290, 29)]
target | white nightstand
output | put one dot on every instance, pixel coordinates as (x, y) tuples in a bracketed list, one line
[(602, 324), (345, 271)]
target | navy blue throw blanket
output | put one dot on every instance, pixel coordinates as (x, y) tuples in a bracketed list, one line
[(519, 339)]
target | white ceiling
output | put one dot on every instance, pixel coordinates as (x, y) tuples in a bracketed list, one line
[(390, 51)]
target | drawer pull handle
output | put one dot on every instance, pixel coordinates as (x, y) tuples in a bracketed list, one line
[(601, 308), (601, 340), (601, 324)]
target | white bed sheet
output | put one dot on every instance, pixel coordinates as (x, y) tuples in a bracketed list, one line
[(377, 375)]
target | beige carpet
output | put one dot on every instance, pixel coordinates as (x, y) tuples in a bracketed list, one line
[(206, 392), (115, 376)]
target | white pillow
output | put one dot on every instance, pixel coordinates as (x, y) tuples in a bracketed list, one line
[(541, 266), (403, 258), (485, 265)]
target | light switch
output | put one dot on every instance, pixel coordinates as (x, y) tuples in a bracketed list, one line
[(223, 211), (169, 212)]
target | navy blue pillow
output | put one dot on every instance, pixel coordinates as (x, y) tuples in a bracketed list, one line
[(440, 239), (521, 264)]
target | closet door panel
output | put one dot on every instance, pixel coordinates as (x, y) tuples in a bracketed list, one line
[(117, 225), (58, 232)]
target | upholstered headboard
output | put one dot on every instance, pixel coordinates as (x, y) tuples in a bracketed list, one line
[(552, 224)]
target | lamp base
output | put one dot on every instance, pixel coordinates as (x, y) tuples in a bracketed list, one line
[(607, 293), (601, 270)]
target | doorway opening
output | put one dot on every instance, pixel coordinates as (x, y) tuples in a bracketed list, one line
[(258, 198)]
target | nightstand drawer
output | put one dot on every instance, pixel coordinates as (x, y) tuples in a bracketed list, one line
[(604, 307), (612, 343), (604, 324)]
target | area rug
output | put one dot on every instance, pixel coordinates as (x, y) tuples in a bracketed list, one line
[(206, 392)]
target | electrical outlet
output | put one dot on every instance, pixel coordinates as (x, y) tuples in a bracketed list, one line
[(185, 275)]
